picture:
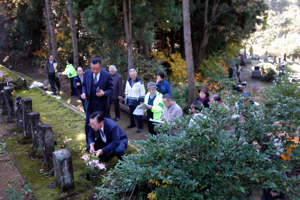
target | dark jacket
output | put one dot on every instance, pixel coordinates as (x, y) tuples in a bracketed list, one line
[(78, 88), (164, 87), (47, 66), (118, 87), (114, 134), (205, 103), (104, 83)]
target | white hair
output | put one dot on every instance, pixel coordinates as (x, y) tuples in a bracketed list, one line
[(79, 68), (132, 70), (113, 68)]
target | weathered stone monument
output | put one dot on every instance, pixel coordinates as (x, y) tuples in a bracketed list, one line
[(63, 169), (9, 103), (266, 57), (26, 108), (2, 102), (46, 137), (34, 120), (18, 111), (256, 73)]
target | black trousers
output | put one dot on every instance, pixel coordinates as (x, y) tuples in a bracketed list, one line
[(54, 79), (73, 92), (139, 119), (117, 106), (151, 126)]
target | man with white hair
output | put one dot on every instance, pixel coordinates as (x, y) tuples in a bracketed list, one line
[(117, 92), (134, 94)]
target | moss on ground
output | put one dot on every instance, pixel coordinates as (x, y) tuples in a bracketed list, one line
[(66, 123)]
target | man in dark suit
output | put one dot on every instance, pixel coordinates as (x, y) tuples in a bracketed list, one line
[(77, 83), (96, 87), (106, 139), (117, 93)]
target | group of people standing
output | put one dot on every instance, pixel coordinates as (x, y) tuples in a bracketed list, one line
[(98, 90)]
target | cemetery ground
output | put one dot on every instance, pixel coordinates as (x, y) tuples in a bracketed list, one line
[(23, 165), (65, 123)]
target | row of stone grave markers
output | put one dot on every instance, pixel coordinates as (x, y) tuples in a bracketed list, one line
[(41, 134)]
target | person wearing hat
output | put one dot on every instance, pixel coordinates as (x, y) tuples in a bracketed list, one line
[(204, 96), (155, 106)]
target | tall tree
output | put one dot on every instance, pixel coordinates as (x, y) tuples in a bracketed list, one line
[(221, 18), (188, 50), (51, 28), (128, 32), (74, 35), (48, 32)]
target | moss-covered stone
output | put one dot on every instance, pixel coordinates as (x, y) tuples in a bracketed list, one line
[(66, 123)]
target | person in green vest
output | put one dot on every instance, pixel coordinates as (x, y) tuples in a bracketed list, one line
[(155, 106), (71, 72)]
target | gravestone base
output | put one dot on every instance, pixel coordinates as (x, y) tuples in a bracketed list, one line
[(63, 169), (46, 136), (34, 120), (26, 108), (9, 103)]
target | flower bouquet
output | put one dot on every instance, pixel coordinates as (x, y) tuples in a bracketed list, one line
[(93, 165)]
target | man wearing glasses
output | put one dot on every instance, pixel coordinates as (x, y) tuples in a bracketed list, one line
[(106, 139)]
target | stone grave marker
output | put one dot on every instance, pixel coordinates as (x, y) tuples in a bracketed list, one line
[(26, 108), (9, 103), (63, 169), (256, 73), (46, 136), (18, 111), (34, 121), (2, 102)]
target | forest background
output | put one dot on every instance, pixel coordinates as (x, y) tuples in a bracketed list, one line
[(149, 35)]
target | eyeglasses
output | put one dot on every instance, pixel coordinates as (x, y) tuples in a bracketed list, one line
[(92, 125)]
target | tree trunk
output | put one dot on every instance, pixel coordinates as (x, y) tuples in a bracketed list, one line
[(48, 33), (52, 29), (146, 51), (188, 50), (74, 35), (128, 34)]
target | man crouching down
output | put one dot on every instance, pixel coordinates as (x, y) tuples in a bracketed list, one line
[(106, 139)]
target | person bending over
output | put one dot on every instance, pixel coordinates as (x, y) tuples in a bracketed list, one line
[(106, 139)]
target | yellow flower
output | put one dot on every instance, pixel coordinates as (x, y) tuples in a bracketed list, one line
[(285, 166), (194, 159), (44, 118), (7, 74), (151, 196), (217, 174), (165, 186)]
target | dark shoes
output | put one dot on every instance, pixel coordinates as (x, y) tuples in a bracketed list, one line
[(117, 119), (130, 126), (139, 130)]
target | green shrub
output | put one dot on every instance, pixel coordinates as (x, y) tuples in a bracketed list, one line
[(270, 75), (210, 161)]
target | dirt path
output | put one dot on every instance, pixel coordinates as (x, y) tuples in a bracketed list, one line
[(10, 176), (37, 74)]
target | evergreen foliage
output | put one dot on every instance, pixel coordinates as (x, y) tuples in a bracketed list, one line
[(216, 157)]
